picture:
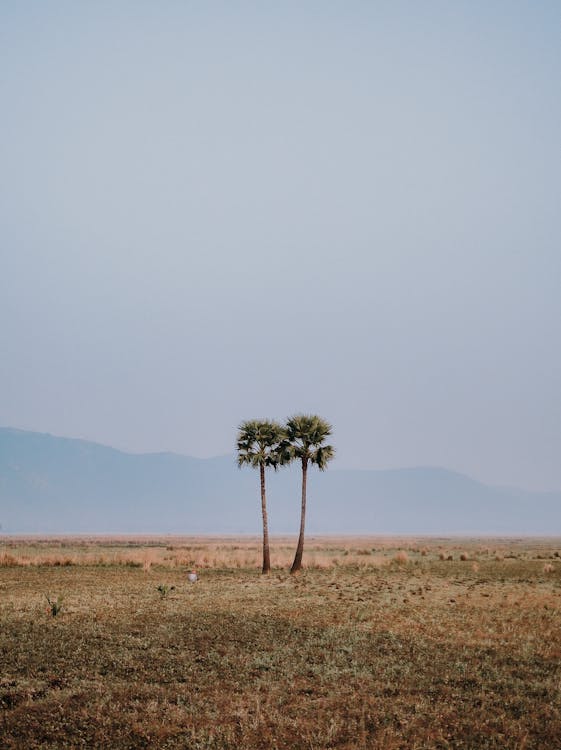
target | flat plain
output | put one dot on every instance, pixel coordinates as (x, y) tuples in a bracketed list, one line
[(378, 643)]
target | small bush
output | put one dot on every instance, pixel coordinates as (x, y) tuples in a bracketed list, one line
[(401, 558), (55, 605)]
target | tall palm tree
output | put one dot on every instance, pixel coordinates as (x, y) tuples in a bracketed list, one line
[(258, 445), (305, 437)]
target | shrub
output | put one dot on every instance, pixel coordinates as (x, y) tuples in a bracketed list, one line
[(55, 605), (401, 558), (164, 589)]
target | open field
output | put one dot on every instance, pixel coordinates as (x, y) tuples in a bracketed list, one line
[(379, 643)]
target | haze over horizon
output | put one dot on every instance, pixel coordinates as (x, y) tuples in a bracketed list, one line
[(61, 485), (210, 213), (334, 465)]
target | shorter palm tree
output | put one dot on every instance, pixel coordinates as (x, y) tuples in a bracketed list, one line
[(305, 436), (258, 445)]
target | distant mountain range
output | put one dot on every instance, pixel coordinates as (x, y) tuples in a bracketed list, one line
[(52, 485)]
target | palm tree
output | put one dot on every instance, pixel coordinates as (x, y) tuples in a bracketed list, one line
[(305, 435), (258, 446)]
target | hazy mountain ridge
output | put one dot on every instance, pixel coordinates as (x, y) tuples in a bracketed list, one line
[(63, 485)]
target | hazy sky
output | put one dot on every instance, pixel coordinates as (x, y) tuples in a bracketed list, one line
[(215, 211)]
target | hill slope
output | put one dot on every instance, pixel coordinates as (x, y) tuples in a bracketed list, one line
[(61, 485)]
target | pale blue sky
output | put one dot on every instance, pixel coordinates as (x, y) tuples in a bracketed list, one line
[(215, 211)]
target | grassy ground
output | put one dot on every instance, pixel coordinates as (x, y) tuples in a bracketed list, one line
[(382, 644)]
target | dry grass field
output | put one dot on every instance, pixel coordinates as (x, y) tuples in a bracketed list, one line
[(379, 643)]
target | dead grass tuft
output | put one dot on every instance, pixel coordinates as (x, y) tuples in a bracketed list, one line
[(401, 557), (7, 560)]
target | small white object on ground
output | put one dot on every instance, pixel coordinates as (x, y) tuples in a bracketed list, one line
[(192, 576)]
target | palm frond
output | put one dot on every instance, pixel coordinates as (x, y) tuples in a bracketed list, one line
[(321, 456)]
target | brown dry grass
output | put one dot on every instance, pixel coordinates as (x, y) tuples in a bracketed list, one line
[(357, 652), (242, 553)]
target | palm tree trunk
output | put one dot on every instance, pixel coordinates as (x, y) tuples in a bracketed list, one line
[(297, 564), (266, 555)]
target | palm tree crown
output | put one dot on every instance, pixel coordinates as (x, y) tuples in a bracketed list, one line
[(258, 443), (305, 434)]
